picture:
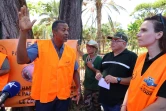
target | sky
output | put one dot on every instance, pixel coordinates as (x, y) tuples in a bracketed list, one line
[(129, 5), (123, 17)]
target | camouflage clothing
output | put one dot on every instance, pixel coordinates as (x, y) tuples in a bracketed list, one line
[(91, 100), (77, 107)]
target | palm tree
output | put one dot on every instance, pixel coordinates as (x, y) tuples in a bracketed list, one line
[(50, 12), (98, 6)]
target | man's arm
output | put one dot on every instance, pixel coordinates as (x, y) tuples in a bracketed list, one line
[(158, 105), (5, 67), (3, 72), (111, 79), (76, 78), (125, 81), (25, 25), (22, 55)]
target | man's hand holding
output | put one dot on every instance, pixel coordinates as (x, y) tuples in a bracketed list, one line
[(98, 75), (110, 79)]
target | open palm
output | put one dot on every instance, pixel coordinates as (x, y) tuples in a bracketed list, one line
[(24, 20)]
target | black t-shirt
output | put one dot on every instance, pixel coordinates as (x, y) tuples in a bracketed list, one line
[(121, 65), (147, 63)]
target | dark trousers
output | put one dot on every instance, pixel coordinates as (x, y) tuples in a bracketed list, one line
[(56, 105), (114, 108)]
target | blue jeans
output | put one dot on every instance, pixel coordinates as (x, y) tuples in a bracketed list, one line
[(108, 108), (56, 105)]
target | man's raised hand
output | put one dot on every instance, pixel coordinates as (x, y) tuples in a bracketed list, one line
[(24, 21)]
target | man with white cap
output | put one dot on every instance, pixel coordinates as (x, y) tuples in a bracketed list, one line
[(116, 69), (92, 65)]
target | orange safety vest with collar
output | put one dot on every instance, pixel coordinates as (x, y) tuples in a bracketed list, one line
[(52, 76), (3, 78), (143, 89)]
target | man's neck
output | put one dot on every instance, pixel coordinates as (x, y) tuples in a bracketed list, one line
[(117, 52), (57, 44)]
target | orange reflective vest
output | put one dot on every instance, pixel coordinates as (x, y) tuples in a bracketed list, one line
[(52, 76), (4, 78), (143, 89)]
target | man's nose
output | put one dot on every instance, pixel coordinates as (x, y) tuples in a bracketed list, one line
[(67, 32)]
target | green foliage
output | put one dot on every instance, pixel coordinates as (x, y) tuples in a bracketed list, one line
[(160, 4), (89, 33), (41, 32), (143, 6), (149, 9), (35, 8), (140, 12), (133, 29), (49, 12)]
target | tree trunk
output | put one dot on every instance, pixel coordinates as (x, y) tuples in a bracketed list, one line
[(9, 18), (70, 11), (98, 8)]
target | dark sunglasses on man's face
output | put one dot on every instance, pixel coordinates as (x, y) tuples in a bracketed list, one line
[(162, 20)]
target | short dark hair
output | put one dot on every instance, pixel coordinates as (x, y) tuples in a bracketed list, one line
[(55, 24), (159, 23)]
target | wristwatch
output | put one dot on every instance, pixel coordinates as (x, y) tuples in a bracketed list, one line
[(119, 80)]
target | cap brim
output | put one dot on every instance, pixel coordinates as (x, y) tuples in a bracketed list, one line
[(109, 37), (89, 44)]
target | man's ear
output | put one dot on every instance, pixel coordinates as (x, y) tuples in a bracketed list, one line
[(125, 43), (53, 32)]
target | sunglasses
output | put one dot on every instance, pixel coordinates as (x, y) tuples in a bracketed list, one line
[(162, 20)]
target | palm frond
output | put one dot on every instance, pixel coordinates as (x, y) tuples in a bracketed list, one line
[(114, 8), (44, 20), (88, 20), (111, 23), (43, 14)]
